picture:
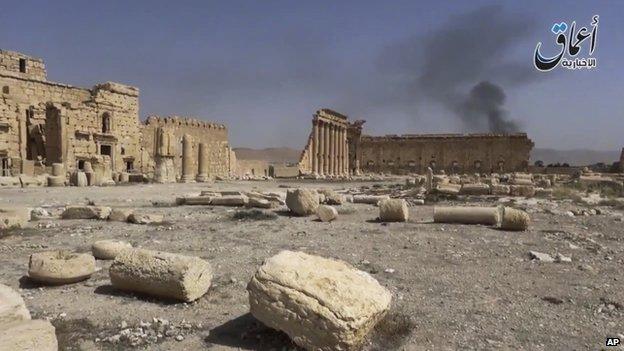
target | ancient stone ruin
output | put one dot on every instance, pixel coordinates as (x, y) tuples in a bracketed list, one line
[(97, 132), (336, 141)]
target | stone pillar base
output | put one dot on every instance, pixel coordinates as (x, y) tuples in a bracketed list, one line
[(187, 178), (202, 178)]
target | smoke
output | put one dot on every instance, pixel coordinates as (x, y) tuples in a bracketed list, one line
[(464, 65)]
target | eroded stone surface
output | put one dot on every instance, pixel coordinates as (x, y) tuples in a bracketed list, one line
[(393, 210), (302, 202), (60, 267), (86, 212), (322, 304), (109, 249)]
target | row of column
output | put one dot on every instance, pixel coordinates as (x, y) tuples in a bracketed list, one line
[(329, 149), (188, 171)]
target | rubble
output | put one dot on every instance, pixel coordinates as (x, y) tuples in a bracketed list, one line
[(322, 304), (161, 274), (145, 218), (60, 267), (120, 214), (14, 217)]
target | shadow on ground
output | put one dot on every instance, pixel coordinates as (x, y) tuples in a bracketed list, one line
[(247, 333)]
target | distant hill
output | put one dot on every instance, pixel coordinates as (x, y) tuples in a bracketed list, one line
[(578, 157), (272, 154)]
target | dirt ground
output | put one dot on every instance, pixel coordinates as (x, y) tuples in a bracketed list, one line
[(454, 286)]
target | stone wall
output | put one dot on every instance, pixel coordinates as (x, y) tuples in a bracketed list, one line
[(251, 168), (42, 122), (213, 134), (453, 153)]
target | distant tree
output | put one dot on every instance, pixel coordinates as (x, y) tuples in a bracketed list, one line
[(539, 163)]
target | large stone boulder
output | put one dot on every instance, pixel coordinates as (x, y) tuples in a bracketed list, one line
[(109, 249), (60, 267), (393, 210), (322, 304), (302, 202), (13, 217), (86, 212), (161, 274), (12, 307)]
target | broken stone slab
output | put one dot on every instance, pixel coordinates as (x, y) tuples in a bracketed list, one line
[(231, 193), (145, 218), (195, 200), (229, 200), (475, 189), (161, 274), (539, 256), (448, 188), (14, 217), (326, 213), (28, 335), (467, 215), (120, 214), (60, 267), (109, 249), (369, 199), (302, 202), (322, 304), (393, 210), (522, 190), (514, 219), (259, 203), (86, 212), (38, 213), (12, 306)]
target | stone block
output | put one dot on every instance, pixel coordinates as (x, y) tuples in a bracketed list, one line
[(145, 218), (60, 267), (161, 274), (302, 202), (393, 210), (322, 304), (120, 214), (326, 213), (109, 249), (467, 215), (86, 212), (28, 335), (12, 306)]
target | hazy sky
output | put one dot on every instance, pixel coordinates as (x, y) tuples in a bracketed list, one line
[(264, 67)]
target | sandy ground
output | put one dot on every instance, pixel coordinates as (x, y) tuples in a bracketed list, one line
[(454, 286)]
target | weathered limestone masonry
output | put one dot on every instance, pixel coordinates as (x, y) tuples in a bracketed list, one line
[(201, 162), (43, 122), (409, 153), (327, 149), (97, 131)]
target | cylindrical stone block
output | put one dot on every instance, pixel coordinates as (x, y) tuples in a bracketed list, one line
[(514, 219), (467, 215), (56, 180), (161, 274), (393, 210), (60, 267)]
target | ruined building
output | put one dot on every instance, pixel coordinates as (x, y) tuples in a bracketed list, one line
[(97, 129), (408, 153)]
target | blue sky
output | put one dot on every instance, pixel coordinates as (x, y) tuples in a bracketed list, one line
[(264, 67)]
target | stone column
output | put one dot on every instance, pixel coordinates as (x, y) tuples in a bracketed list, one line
[(325, 147), (341, 151), (203, 163), (332, 150), (346, 152), (321, 147), (187, 159), (315, 147)]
